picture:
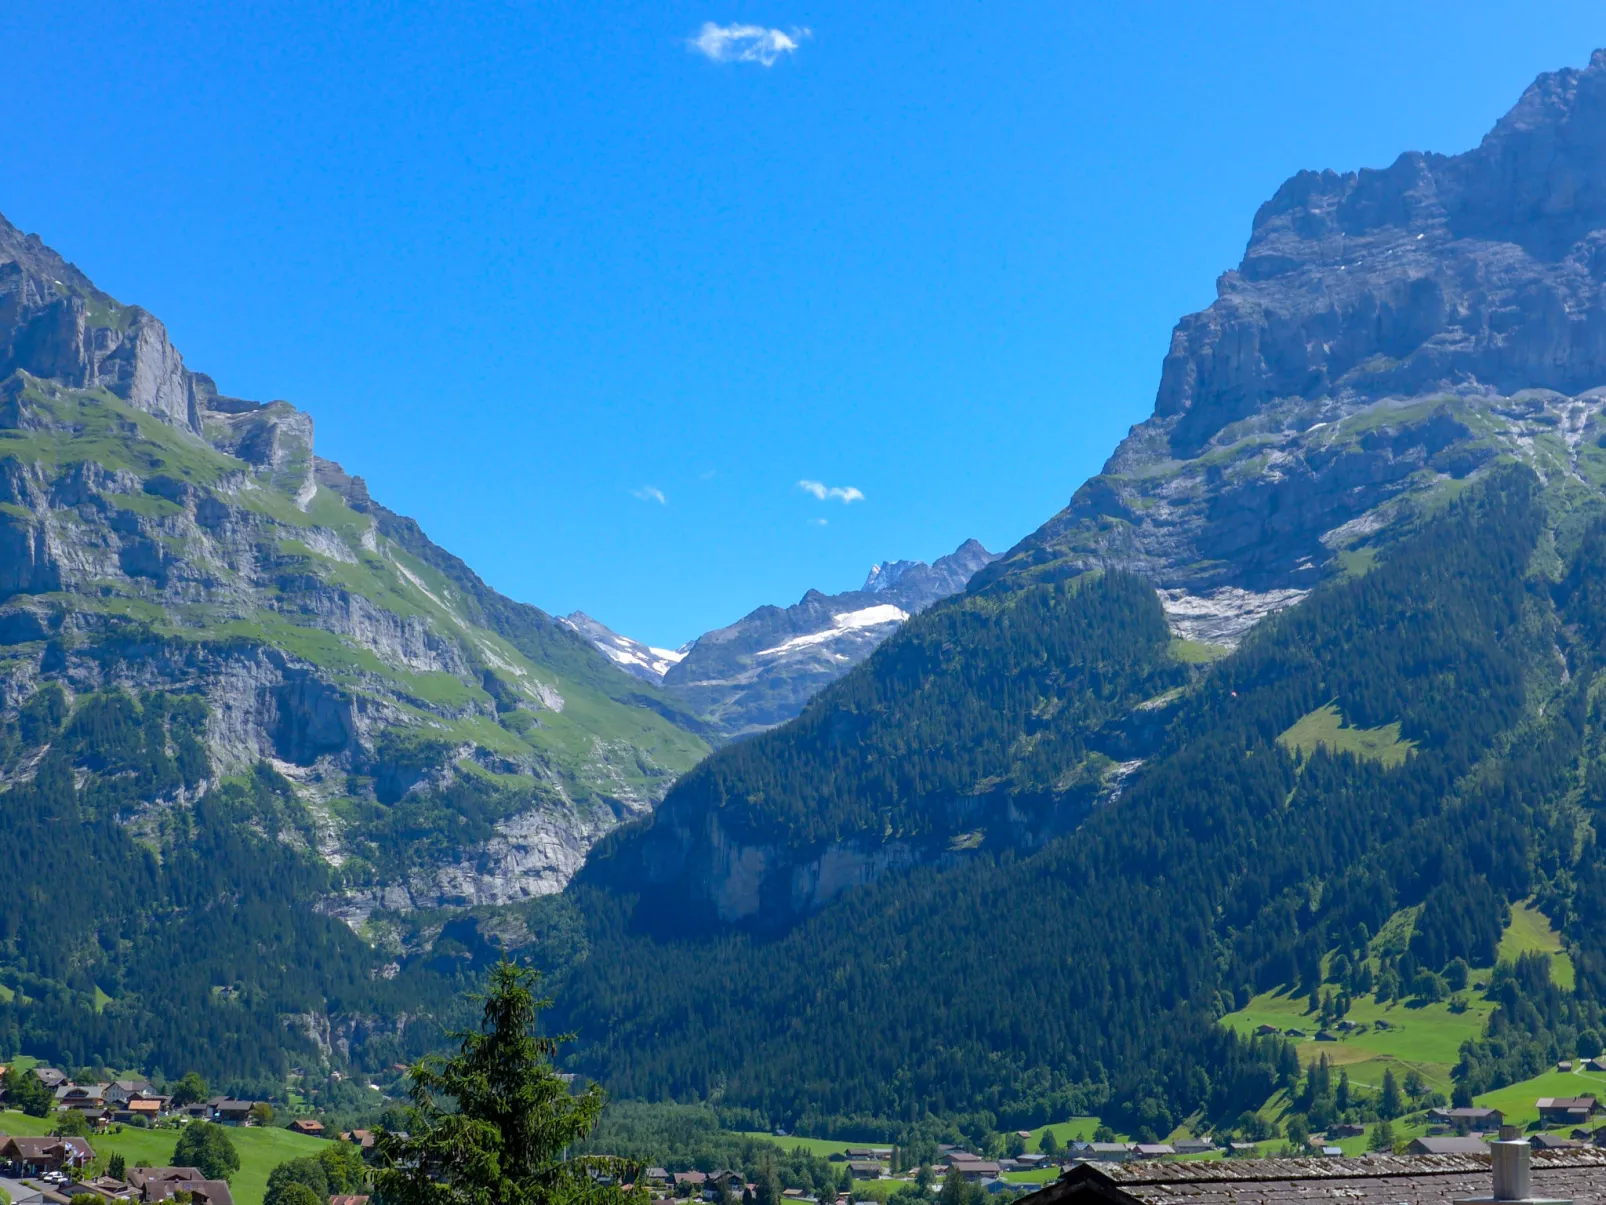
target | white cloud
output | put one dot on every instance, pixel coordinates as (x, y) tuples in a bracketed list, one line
[(746, 43), (819, 522), (651, 493), (839, 493)]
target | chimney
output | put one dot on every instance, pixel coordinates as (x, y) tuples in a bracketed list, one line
[(1513, 1172)]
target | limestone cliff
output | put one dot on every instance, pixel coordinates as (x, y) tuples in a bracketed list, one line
[(157, 535)]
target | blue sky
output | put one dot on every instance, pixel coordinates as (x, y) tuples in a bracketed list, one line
[(590, 304)]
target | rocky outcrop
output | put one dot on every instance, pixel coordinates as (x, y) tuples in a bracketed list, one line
[(1385, 331)]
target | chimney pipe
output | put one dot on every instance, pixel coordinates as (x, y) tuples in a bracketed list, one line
[(1512, 1169)]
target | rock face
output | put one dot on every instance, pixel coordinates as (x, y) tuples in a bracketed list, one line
[(158, 535), (1386, 331), (761, 670)]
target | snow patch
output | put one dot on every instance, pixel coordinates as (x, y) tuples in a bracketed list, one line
[(843, 624)]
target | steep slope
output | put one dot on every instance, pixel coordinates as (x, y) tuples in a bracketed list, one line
[(167, 551), (761, 670), (1387, 331), (1375, 470)]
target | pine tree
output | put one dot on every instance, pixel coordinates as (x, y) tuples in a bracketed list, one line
[(1389, 1103), (491, 1125)]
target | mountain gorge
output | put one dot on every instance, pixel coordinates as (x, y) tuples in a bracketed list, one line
[(1026, 855)]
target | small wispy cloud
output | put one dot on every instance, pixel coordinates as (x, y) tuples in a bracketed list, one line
[(832, 493), (746, 43), (819, 522), (651, 493)]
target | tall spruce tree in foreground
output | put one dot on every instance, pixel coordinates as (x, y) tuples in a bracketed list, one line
[(492, 1124)]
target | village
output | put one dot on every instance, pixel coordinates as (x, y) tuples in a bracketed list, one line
[(63, 1166)]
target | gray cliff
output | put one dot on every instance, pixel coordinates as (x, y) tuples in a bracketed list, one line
[(1388, 333), (157, 535)]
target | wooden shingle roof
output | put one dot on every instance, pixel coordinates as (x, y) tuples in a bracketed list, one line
[(1577, 1175)]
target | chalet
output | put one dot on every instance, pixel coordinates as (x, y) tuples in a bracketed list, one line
[(104, 1187), (1552, 1142), (1596, 1064), (974, 1170), (1109, 1152), (37, 1156), (1455, 1145), (871, 1169), (1193, 1146), (1469, 1119), (234, 1112), (81, 1096), (1566, 1110), (869, 1152), (157, 1184), (150, 1108), (1326, 1035), (124, 1090), (1153, 1150), (307, 1126), (51, 1077), (955, 1155), (656, 1175), (349, 1198), (694, 1180), (362, 1138), (1557, 1176), (1345, 1130), (1565, 1065)]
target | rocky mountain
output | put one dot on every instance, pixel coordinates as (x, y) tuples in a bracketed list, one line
[(167, 550), (1387, 334), (762, 669), (1390, 337), (637, 659), (1320, 644)]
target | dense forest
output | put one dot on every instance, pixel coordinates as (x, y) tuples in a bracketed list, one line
[(1090, 972), (1006, 701), (140, 932)]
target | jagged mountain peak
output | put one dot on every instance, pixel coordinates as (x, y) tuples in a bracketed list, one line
[(1388, 331)]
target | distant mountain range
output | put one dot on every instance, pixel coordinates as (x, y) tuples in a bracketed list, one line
[(762, 669)]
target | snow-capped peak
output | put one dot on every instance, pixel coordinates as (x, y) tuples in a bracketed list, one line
[(642, 660)]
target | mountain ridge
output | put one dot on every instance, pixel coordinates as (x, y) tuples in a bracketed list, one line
[(762, 670)]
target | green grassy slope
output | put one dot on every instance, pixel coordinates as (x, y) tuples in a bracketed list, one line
[(1531, 931)]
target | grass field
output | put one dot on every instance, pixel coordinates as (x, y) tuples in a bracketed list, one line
[(1325, 726), (1427, 1037), (814, 1146), (1516, 1101), (261, 1148), (1078, 1129), (1531, 930)]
